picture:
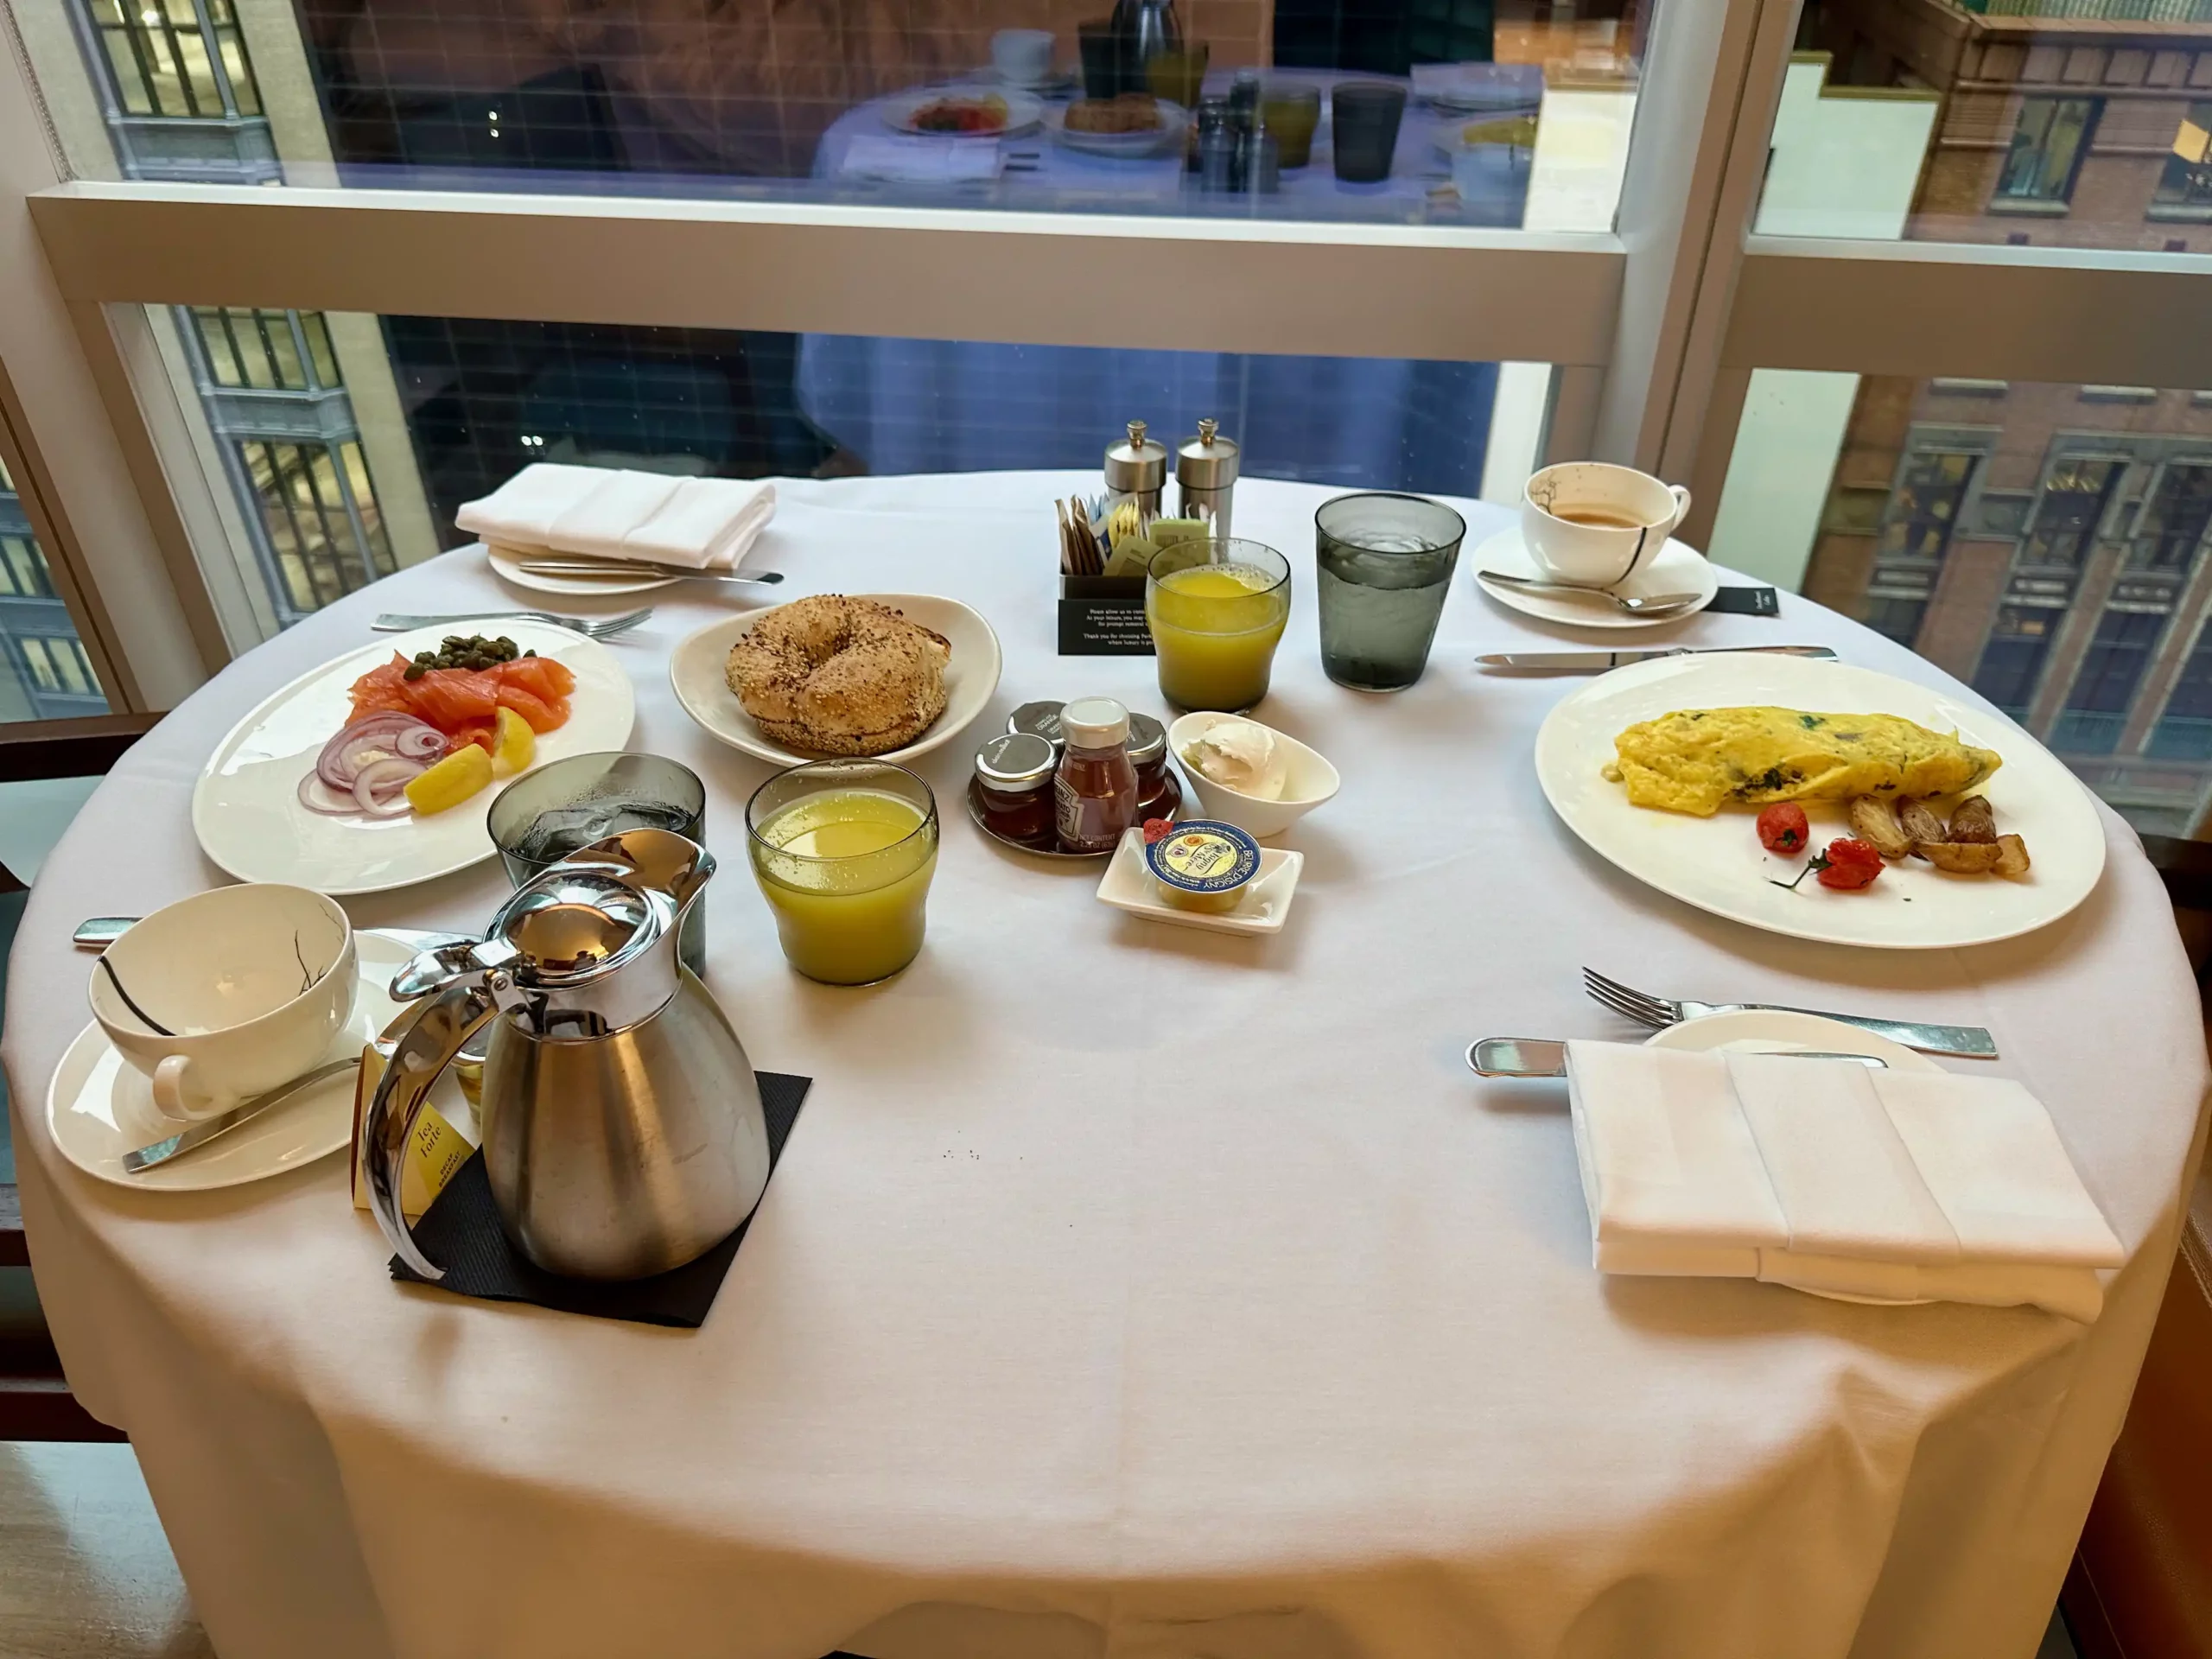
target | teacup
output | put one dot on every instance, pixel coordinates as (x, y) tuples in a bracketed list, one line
[(1022, 57), (1594, 524), (255, 981)]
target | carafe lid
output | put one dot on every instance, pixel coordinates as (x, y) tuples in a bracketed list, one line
[(1137, 464), (1207, 461)]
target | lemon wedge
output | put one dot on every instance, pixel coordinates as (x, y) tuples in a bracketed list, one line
[(515, 744), (452, 781)]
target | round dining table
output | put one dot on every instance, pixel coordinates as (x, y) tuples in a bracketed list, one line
[(1129, 1290)]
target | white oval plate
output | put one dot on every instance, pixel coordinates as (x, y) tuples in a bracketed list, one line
[(508, 569), (1717, 863), (1023, 110), (1763, 1030), (1126, 145), (1679, 568), (245, 807), (99, 1106), (971, 676)]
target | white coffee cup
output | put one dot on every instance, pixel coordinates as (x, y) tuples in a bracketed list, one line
[(1593, 524), (1022, 57), (256, 980)]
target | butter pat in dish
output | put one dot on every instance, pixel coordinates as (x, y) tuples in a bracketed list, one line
[(1216, 748), (1262, 909), (1202, 866)]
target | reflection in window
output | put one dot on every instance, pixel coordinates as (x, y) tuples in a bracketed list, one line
[(2104, 687), (2012, 660), (2048, 145), (1922, 514), (2186, 180)]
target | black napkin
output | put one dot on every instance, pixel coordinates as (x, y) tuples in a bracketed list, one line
[(461, 1232), (1732, 601)]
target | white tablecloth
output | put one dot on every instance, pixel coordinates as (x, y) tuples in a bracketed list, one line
[(1126, 1290)]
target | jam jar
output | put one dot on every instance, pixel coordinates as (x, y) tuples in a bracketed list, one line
[(1013, 788), (1156, 793)]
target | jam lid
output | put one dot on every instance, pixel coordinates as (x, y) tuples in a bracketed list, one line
[(1042, 719), (1199, 855), (1094, 723), (1016, 761), (1147, 739)]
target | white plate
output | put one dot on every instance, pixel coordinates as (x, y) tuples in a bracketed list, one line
[(1054, 83), (1127, 886), (245, 807), (1172, 119), (695, 670), (1771, 1032), (1717, 863), (1023, 110), (1677, 569), (508, 569), (98, 1107)]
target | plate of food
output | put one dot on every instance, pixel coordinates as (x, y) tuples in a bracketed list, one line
[(1822, 801), (887, 675), (963, 112), (376, 771), (1134, 123)]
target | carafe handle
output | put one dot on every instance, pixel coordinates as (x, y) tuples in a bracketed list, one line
[(417, 1048)]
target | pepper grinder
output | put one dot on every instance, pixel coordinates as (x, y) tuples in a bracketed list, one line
[(1136, 471), (1206, 477)]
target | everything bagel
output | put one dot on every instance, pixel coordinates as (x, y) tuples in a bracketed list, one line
[(840, 676)]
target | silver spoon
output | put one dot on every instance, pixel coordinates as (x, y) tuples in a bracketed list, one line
[(1650, 604)]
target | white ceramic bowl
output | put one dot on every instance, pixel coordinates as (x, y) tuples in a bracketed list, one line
[(1308, 780)]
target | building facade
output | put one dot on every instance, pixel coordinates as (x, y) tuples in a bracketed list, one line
[(2046, 543)]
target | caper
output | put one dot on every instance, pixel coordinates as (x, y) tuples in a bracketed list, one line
[(415, 671)]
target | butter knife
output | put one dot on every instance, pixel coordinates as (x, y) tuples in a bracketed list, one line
[(1599, 661), (199, 1134), (1538, 1057), (632, 569)]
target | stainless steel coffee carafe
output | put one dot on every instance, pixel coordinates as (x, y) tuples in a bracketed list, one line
[(621, 1121)]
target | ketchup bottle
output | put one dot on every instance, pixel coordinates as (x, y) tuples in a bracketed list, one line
[(1095, 794)]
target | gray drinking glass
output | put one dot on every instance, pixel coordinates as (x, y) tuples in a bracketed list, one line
[(545, 815), (1363, 116), (1385, 564)]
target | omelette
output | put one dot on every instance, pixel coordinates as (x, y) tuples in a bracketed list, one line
[(1698, 760)]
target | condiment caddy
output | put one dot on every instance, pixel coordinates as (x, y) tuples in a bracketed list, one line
[(1106, 542)]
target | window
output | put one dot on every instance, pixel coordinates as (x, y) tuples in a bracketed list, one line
[(2105, 686), (2186, 180), (2171, 531), (2048, 145), (45, 673), (2073, 505), (1909, 553)]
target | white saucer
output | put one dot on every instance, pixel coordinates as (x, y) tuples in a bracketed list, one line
[(98, 1107), (504, 564), (1677, 569), (1775, 1031), (1127, 886)]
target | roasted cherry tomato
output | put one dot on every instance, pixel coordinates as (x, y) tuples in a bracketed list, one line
[(1852, 864), (1782, 828)]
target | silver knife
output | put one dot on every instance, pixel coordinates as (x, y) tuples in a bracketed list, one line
[(1538, 1056), (633, 569), (1599, 661), (199, 1134)]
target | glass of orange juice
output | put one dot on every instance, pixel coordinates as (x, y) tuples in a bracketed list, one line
[(844, 851), (1215, 607)]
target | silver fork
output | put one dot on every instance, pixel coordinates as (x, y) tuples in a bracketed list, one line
[(1973, 1042), (399, 622)]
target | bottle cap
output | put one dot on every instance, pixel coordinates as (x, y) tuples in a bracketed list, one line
[(1147, 740), (1016, 761), (1207, 461), (1136, 464), (1094, 723)]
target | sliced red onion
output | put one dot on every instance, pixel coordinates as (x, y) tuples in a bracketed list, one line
[(372, 738), (380, 789), (319, 797), (421, 742)]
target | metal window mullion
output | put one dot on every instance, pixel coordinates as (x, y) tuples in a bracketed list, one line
[(323, 510), (213, 42), (168, 27)]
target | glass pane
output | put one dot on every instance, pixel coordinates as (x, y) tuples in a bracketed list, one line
[(2046, 543), (44, 672), (1490, 113), (2043, 123)]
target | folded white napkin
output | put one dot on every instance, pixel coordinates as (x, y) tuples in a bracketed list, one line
[(1828, 1176), (919, 161), (611, 513)]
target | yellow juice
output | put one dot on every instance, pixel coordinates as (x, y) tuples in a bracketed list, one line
[(1215, 627), (846, 873)]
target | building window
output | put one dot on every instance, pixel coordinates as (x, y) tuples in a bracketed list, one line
[(2047, 150), (166, 63), (267, 351), (2170, 528), (2112, 669), (1923, 511), (2012, 662), (2184, 727), (2072, 506), (2187, 180), (320, 513)]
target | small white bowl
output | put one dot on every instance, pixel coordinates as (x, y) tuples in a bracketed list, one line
[(1308, 780)]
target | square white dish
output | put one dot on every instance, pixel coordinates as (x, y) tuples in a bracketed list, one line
[(1127, 886)]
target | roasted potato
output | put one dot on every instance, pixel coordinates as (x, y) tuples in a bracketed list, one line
[(2012, 856), (1975, 821), (1920, 822), (1961, 857), (1874, 821)]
